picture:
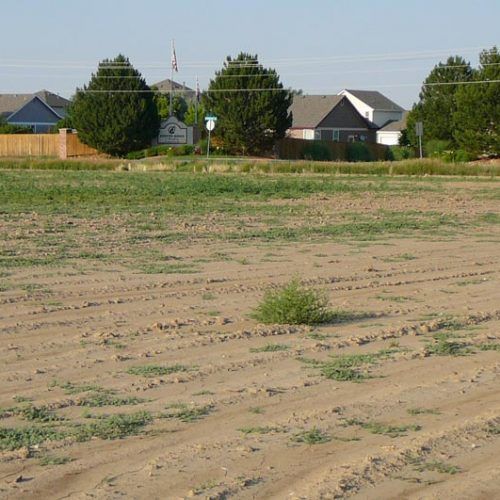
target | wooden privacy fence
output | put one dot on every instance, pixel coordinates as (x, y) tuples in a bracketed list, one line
[(74, 147), (63, 145), (29, 145)]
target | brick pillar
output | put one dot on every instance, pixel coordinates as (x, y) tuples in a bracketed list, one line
[(63, 143)]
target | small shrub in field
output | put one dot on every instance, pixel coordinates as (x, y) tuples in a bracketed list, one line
[(293, 305), (313, 436)]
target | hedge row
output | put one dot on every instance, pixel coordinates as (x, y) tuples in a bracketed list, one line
[(302, 149)]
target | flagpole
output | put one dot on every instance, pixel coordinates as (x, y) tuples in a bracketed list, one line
[(172, 80), (196, 102)]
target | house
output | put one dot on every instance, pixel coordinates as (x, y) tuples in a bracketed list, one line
[(40, 111), (390, 133), (329, 117), (166, 86), (380, 110)]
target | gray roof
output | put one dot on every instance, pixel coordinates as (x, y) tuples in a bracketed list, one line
[(53, 100), (375, 100), (167, 85), (12, 102), (309, 110), (395, 126)]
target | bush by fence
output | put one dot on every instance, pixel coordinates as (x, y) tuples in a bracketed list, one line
[(161, 150), (302, 149)]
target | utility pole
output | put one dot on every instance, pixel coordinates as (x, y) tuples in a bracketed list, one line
[(419, 131), (197, 101)]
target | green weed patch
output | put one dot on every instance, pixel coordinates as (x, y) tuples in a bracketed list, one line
[(347, 367), (313, 436), (156, 370), (392, 431)]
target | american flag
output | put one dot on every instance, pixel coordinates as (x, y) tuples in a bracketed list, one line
[(175, 67)]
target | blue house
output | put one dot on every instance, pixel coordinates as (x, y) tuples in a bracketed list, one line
[(40, 111)]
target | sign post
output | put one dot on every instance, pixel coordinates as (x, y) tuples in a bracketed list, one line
[(210, 125), (419, 131)]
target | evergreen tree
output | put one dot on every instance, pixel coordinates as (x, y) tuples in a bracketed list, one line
[(251, 104), (115, 113), (437, 103), (477, 119)]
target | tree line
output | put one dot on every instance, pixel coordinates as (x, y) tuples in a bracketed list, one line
[(460, 107), (117, 112)]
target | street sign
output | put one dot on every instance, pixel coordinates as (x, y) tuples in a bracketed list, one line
[(210, 125), (419, 129)]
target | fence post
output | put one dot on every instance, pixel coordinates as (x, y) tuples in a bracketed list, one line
[(63, 143)]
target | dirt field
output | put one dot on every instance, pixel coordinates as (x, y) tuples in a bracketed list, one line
[(132, 368)]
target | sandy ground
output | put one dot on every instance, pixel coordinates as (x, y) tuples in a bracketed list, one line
[(247, 408)]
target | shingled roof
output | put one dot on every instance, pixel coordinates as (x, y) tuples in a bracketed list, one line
[(395, 126), (375, 100), (53, 100), (309, 110), (9, 103), (167, 85)]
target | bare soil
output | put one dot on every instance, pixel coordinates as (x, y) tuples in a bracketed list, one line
[(422, 423)]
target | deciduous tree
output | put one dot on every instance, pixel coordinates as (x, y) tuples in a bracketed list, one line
[(179, 105)]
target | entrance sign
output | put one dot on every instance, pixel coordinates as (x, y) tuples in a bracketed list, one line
[(173, 131)]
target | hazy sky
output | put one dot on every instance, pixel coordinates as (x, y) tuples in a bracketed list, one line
[(320, 46)]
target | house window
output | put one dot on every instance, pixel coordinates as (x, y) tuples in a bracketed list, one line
[(336, 135), (327, 135)]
